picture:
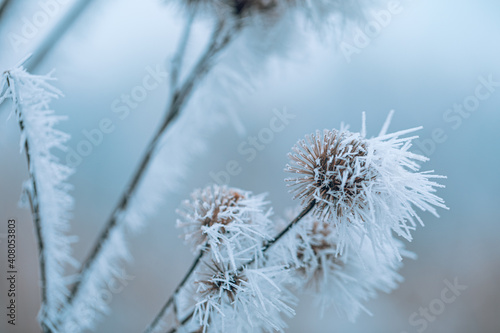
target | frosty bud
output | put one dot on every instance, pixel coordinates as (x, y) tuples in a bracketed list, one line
[(330, 169), (231, 223), (365, 187)]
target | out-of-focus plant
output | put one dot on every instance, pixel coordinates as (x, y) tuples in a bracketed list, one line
[(356, 193)]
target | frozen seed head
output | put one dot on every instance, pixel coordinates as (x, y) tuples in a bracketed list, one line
[(231, 223), (212, 206), (365, 187), (320, 13), (241, 300), (220, 281), (331, 170), (342, 281), (316, 252), (240, 8)]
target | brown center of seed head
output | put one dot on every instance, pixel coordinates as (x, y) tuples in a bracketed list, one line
[(318, 234), (333, 169), (218, 281), (227, 200), (331, 173), (318, 242)]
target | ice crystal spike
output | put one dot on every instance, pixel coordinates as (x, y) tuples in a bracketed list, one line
[(364, 187), (246, 300), (231, 223)]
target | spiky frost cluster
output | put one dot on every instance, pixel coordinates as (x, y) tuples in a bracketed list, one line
[(364, 187), (229, 223), (245, 300), (318, 12), (344, 282), (47, 190), (234, 291)]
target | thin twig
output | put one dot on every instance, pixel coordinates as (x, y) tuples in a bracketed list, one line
[(217, 43), (171, 299), (57, 33), (289, 227), (178, 58), (265, 248), (35, 211), (3, 7)]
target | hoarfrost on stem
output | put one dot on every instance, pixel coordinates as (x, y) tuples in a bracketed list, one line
[(47, 190)]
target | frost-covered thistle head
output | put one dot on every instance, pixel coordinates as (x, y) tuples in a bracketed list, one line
[(221, 281), (240, 8), (363, 186), (315, 251), (333, 171), (326, 13), (231, 223), (344, 282), (241, 300)]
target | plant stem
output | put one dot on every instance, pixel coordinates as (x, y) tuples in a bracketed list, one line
[(219, 40), (179, 55), (3, 7), (171, 299), (289, 227), (35, 211), (266, 247), (56, 33)]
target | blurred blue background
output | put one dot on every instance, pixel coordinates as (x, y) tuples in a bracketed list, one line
[(431, 56)]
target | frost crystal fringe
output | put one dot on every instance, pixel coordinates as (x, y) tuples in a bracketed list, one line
[(47, 189), (185, 138), (344, 282), (232, 290), (249, 300), (364, 187), (156, 184)]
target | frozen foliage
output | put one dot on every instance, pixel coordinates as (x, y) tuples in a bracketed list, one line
[(47, 189), (229, 223), (232, 290), (246, 300), (340, 246), (260, 33), (185, 139), (319, 13), (88, 307), (358, 191), (364, 187), (344, 282)]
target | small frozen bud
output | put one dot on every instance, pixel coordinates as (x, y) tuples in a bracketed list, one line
[(242, 300), (231, 223), (364, 187), (344, 282), (331, 170)]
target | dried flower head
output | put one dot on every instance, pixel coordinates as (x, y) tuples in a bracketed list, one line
[(324, 13), (240, 8), (244, 300), (364, 187), (315, 252), (231, 223), (221, 281), (332, 169), (345, 281)]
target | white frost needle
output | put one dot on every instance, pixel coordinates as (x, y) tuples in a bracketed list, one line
[(365, 187), (47, 190)]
